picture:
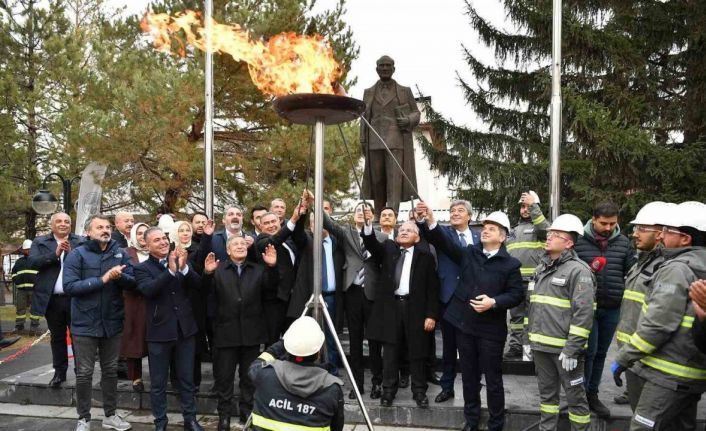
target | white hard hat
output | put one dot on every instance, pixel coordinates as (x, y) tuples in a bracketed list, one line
[(667, 215), (498, 217), (692, 214), (649, 213), (166, 223), (568, 223), (304, 337), (534, 195), (27, 244)]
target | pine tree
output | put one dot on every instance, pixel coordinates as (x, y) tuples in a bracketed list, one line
[(147, 112), (36, 56), (633, 130)]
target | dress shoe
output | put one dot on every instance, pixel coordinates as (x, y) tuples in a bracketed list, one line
[(162, 426), (422, 400), (513, 354), (386, 401), (55, 381), (622, 398), (223, 423), (351, 394), (596, 406), (192, 425), (468, 427), (138, 385), (8, 341), (444, 395), (433, 378), (404, 381), (375, 392), (243, 416)]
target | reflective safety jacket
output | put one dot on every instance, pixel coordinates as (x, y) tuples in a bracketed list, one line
[(638, 285), (294, 397), (23, 275), (526, 242), (561, 298), (662, 349)]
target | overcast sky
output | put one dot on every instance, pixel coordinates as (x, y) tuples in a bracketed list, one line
[(424, 38)]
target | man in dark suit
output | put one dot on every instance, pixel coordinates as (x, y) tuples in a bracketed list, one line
[(165, 279), (489, 284), (123, 224), (275, 302), (392, 111), (460, 234), (361, 273), (406, 306), (240, 325), (331, 286), (47, 256)]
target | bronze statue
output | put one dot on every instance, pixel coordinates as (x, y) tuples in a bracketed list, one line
[(392, 111)]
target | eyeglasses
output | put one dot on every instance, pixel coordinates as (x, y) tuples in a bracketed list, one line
[(552, 235), (644, 229), (674, 231)]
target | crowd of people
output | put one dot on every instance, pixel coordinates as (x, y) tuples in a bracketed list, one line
[(554, 292)]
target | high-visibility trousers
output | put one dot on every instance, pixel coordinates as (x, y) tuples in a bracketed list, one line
[(550, 376)]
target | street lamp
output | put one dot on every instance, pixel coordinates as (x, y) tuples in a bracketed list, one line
[(44, 202)]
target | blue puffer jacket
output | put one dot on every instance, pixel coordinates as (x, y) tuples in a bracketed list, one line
[(620, 257), (97, 309)]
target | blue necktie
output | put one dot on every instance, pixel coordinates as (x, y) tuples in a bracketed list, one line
[(163, 262), (324, 270), (462, 238)]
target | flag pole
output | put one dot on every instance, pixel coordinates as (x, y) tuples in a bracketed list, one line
[(208, 122)]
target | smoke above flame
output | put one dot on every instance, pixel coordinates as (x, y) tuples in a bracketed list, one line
[(286, 63)]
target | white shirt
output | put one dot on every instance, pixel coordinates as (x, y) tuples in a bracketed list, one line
[(292, 256), (403, 288), (59, 285), (490, 253), (467, 236), (328, 261), (390, 235)]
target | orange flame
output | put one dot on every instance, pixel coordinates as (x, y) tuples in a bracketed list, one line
[(285, 64)]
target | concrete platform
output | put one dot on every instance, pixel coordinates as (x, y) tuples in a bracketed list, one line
[(521, 394)]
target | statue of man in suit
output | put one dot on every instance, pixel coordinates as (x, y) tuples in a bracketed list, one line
[(392, 111)]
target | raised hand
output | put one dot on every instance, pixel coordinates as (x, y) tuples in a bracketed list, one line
[(209, 227), (270, 255), (63, 246), (113, 273), (183, 257), (210, 264), (171, 261), (249, 240)]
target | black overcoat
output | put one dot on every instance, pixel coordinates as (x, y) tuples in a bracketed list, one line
[(240, 319), (423, 295)]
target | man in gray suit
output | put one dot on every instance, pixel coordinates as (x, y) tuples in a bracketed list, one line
[(361, 273), (392, 111)]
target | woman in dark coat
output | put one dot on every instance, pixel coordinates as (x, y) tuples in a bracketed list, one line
[(133, 346)]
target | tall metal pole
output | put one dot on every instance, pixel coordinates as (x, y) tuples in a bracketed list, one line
[(555, 150), (318, 213), (208, 122)]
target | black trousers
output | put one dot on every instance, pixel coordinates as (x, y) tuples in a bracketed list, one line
[(358, 309), (275, 318), (482, 356), (391, 360), (224, 372), (58, 317)]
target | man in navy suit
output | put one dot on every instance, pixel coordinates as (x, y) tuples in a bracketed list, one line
[(460, 234), (165, 279), (489, 283)]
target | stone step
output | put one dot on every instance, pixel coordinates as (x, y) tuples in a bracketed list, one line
[(521, 401)]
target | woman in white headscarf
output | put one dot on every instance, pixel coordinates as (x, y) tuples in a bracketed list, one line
[(181, 234), (133, 346)]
